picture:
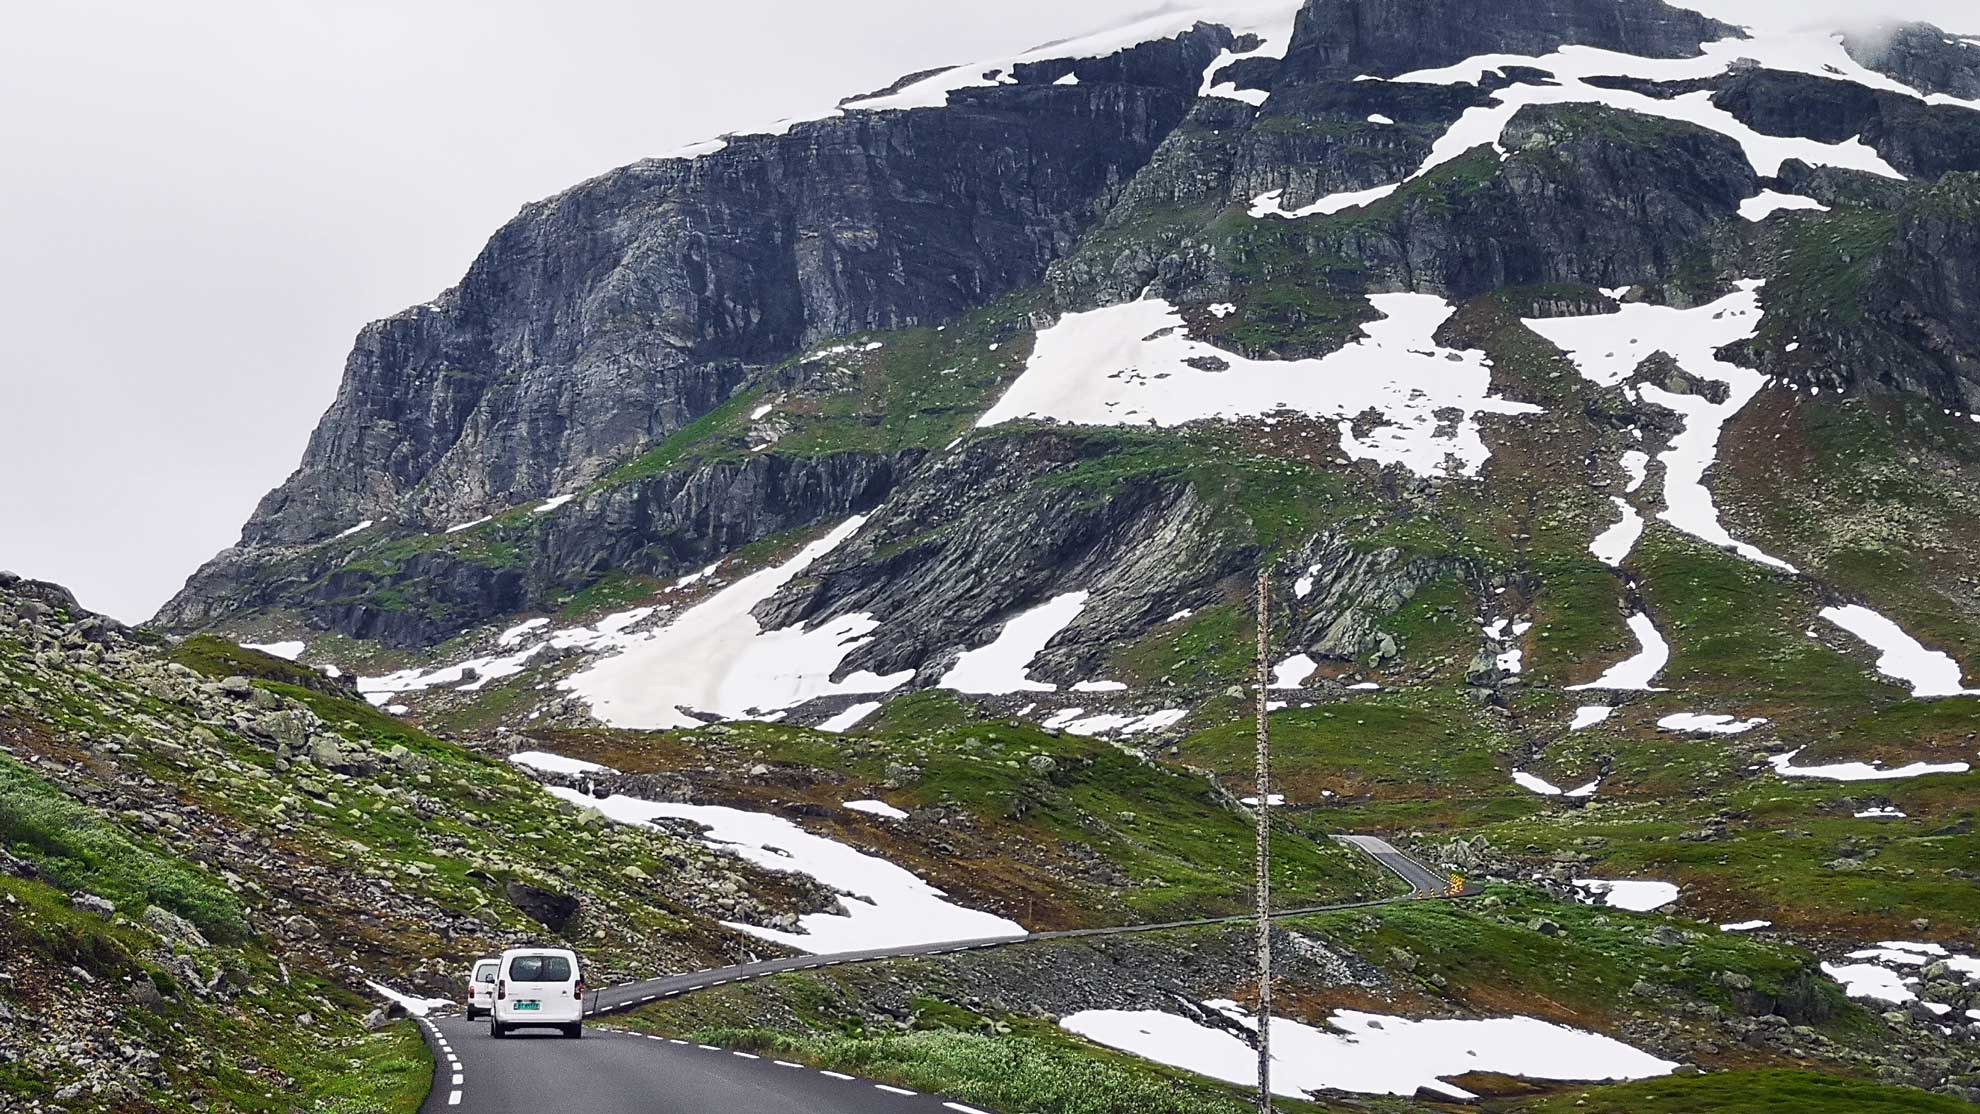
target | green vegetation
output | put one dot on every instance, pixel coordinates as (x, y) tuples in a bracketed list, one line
[(80, 851), (1587, 970), (1173, 846), (393, 1074), (1032, 1067), (1828, 262), (1750, 1092)]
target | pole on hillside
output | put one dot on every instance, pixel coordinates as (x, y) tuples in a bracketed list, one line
[(1264, 815)]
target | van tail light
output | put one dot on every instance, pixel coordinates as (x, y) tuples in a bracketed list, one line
[(579, 990), (502, 988)]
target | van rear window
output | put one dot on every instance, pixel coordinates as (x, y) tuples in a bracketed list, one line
[(539, 968), (485, 974)]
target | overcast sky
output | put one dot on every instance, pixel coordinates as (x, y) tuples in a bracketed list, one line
[(201, 202)]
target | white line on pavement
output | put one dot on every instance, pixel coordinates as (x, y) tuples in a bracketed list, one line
[(454, 1099), (894, 1090), (834, 1075)]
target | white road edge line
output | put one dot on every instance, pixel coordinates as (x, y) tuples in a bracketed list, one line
[(961, 1109), (786, 1064), (834, 1075), (895, 1090), (745, 1055)]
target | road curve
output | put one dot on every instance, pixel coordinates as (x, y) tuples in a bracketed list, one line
[(609, 1072), (1423, 882), (620, 1073)]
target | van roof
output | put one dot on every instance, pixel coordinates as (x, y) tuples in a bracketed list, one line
[(539, 951), (486, 959)]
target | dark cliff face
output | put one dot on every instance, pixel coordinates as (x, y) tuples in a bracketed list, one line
[(1343, 39), (1921, 56), (612, 315)]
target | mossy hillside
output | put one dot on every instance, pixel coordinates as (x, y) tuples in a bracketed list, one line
[(82, 852), (279, 1034), (1737, 632), (1037, 806), (451, 852), (1519, 951), (1750, 1092), (1789, 851), (1879, 495), (1372, 761)]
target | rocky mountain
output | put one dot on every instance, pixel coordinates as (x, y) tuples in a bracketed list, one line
[(1598, 382)]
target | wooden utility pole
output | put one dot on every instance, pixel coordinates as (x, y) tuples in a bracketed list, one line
[(1264, 815)]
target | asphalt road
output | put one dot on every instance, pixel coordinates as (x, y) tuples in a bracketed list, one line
[(609, 1073), (620, 1073)]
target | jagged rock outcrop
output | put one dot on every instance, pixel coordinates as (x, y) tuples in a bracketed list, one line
[(1002, 526), (1921, 56), (1343, 39)]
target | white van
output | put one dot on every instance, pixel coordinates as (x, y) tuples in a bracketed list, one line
[(481, 988), (538, 987)]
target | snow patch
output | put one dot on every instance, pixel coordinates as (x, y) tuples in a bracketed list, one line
[(418, 1007), (1135, 364), (1293, 672), (1535, 784), (1636, 673), (557, 763), (1637, 897), (885, 906), (1769, 202), (1588, 715), (358, 529), (287, 651), (1368, 1053), (1700, 724), (1860, 771), (549, 505), (470, 525), (1608, 348), (846, 720), (1613, 545), (1003, 665), (715, 658), (877, 808), (1074, 721), (1746, 926), (1900, 656)]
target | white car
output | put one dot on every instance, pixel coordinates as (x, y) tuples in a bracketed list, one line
[(538, 987), (481, 988)]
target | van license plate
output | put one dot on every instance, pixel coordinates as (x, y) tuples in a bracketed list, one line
[(528, 1005)]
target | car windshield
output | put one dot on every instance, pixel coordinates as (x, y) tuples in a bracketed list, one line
[(540, 968)]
